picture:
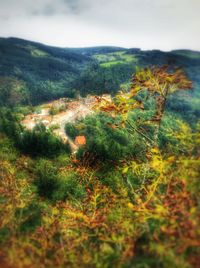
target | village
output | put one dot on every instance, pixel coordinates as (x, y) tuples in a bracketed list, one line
[(54, 115)]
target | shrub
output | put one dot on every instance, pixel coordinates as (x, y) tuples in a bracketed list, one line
[(30, 217), (71, 130), (69, 187), (41, 142), (54, 186), (46, 178), (108, 143)]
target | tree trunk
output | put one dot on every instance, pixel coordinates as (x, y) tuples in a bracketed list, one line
[(160, 109)]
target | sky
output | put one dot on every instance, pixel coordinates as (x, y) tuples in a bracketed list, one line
[(145, 24)]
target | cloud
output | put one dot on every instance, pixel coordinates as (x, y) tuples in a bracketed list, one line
[(148, 24), (74, 5)]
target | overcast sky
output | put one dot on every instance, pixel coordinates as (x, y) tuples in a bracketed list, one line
[(147, 24)]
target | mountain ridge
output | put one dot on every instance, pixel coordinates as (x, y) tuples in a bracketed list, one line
[(97, 47), (32, 73)]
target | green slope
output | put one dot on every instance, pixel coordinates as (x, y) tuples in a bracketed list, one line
[(31, 73), (45, 72)]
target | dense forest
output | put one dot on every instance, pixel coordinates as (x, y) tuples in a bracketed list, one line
[(129, 197), (32, 73)]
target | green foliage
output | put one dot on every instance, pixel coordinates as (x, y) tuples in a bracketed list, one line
[(46, 180), (141, 212), (30, 217), (55, 110), (70, 187), (45, 72), (41, 142), (12, 91), (71, 130), (53, 186), (8, 151), (106, 143), (42, 73), (120, 202), (38, 142)]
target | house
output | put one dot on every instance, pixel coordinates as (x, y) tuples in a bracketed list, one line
[(80, 140)]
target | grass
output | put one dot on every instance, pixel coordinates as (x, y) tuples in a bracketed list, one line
[(114, 58), (37, 52)]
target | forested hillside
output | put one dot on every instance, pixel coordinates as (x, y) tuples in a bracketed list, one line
[(31, 73), (128, 195)]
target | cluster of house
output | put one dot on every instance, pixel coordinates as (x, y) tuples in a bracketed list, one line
[(66, 111)]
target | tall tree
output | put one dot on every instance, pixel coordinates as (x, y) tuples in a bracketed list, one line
[(159, 82)]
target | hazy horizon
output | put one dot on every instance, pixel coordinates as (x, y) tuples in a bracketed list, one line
[(101, 45)]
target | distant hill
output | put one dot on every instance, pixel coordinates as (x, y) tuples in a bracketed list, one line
[(90, 51), (31, 73), (45, 72)]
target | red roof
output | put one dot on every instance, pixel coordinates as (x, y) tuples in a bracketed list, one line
[(80, 140)]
